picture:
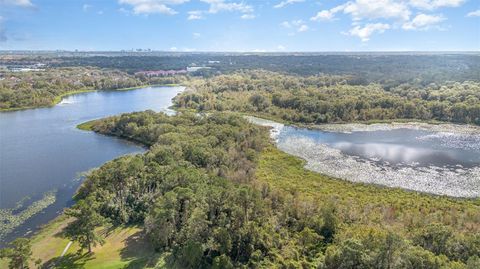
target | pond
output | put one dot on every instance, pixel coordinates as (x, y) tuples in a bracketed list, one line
[(437, 159), (42, 152)]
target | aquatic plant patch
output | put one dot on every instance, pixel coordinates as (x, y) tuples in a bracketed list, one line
[(11, 218), (456, 181)]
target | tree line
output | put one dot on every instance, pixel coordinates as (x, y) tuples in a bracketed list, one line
[(330, 99), (388, 69), (43, 88)]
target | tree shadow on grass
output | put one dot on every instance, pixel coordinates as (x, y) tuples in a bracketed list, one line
[(139, 251), (70, 261)]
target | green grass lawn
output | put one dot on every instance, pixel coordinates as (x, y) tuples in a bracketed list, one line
[(86, 126), (47, 243), (125, 247)]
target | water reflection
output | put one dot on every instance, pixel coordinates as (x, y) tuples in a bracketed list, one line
[(41, 149), (438, 162), (398, 147), (398, 154)]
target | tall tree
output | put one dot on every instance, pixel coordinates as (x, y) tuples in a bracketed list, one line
[(19, 253), (84, 228)]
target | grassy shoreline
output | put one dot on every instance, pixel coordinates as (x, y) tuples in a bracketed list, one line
[(369, 122), (60, 97), (86, 126)]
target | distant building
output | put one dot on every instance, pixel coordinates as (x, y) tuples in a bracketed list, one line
[(161, 73), (25, 69), (196, 68)]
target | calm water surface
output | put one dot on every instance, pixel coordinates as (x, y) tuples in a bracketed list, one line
[(444, 160), (398, 147), (41, 150)]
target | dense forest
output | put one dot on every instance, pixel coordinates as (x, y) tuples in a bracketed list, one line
[(81, 71), (199, 199), (388, 69), (327, 99)]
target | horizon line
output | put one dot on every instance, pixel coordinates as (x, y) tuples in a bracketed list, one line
[(236, 51)]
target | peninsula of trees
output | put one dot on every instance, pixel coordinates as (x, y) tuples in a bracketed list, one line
[(211, 193)]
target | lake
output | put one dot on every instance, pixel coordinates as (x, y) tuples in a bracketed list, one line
[(437, 159), (42, 152)]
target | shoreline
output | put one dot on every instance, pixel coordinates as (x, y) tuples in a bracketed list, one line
[(61, 218), (331, 162), (446, 127), (86, 126), (334, 125), (58, 99)]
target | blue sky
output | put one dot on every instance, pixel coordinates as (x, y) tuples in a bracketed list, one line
[(241, 25)]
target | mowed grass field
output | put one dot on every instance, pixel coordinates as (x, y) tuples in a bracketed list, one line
[(125, 247)]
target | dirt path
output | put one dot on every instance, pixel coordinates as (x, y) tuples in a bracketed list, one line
[(66, 248)]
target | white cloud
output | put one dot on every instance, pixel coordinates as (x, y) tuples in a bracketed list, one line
[(220, 5), (475, 13), (290, 24), (368, 9), (365, 32), (195, 15), (298, 25), (124, 11), (247, 16), (422, 22), (86, 7), (287, 2), (434, 4), (173, 49), (216, 6), (20, 3), (375, 9), (281, 48), (153, 6), (196, 35), (381, 15), (286, 24), (303, 28), (326, 15)]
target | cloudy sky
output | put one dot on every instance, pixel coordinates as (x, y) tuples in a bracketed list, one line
[(241, 25)]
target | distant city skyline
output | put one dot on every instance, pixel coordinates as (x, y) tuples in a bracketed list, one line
[(240, 26)]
